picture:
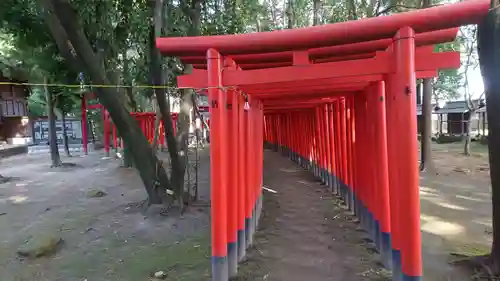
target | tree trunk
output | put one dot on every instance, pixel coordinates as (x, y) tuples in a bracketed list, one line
[(194, 14), (426, 163), (65, 134), (426, 141), (129, 91), (177, 177), (419, 93), (488, 39), (440, 124), (483, 117), (154, 145), (91, 127), (290, 14), (468, 137), (151, 170), (316, 8), (128, 162), (54, 149), (352, 13)]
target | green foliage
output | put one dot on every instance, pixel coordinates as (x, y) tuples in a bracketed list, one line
[(119, 33), (29, 53), (449, 80)]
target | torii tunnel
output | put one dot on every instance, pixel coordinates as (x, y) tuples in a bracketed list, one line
[(338, 99)]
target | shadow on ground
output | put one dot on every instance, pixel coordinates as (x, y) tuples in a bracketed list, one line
[(455, 209)]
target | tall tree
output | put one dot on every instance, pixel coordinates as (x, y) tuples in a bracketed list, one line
[(488, 38), (316, 12), (64, 24), (426, 162), (290, 14), (54, 149), (470, 50), (157, 8), (192, 11)]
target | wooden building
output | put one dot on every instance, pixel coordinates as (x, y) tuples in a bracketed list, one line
[(454, 115), (14, 120)]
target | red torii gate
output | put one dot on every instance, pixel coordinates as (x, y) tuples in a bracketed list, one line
[(350, 119), (146, 122), (425, 61)]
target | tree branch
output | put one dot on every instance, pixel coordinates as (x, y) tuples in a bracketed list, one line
[(470, 49), (60, 36), (398, 6)]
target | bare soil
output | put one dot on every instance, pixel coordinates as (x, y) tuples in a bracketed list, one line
[(455, 209), (105, 238), (304, 234)]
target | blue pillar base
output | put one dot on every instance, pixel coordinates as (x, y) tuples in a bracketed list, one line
[(397, 274), (349, 199), (259, 208), (336, 187), (232, 259), (364, 217), (378, 236), (411, 278), (248, 232), (341, 189), (371, 220), (253, 225), (386, 250), (330, 181), (322, 175), (356, 207), (242, 249), (220, 269), (346, 195)]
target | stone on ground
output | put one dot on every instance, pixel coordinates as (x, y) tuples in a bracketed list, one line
[(40, 245), (160, 275), (95, 193)]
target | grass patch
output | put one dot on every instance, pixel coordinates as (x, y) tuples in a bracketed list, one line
[(189, 260), (185, 260), (468, 250)]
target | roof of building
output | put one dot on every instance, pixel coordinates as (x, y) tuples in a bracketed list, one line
[(419, 108), (457, 106)]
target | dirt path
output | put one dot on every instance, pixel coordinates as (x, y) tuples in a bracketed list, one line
[(304, 235)]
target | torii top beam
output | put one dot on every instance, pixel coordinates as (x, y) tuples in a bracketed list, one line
[(320, 54), (333, 73), (423, 20)]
